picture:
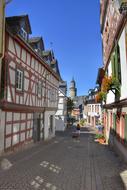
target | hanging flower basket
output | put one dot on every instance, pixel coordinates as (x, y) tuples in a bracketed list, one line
[(106, 84), (110, 83)]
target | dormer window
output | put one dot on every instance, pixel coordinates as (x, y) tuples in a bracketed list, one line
[(23, 33)]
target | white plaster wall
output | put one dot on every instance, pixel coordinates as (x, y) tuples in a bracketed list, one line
[(12, 76), (61, 106), (22, 137), (39, 68), (18, 49), (15, 139), (60, 122), (123, 59), (59, 112), (124, 109), (8, 142), (11, 45), (110, 95), (59, 125), (46, 124), (23, 55), (8, 129), (16, 116), (16, 127), (28, 59), (100, 110), (26, 84), (23, 125), (29, 134), (9, 95), (17, 99), (12, 64), (32, 63), (110, 69), (36, 65)]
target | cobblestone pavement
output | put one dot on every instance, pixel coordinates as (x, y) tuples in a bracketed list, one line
[(64, 163)]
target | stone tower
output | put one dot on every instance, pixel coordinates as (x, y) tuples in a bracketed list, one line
[(73, 89)]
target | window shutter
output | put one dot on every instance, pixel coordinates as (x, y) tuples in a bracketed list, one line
[(119, 64), (16, 79), (116, 63), (23, 82)]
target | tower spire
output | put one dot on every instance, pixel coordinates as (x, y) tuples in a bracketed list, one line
[(73, 89)]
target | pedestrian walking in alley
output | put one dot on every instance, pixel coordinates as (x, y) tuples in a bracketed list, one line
[(78, 128)]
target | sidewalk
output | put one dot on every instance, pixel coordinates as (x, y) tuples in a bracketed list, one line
[(65, 163)]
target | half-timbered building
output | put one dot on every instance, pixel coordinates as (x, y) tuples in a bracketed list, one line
[(113, 81), (92, 109), (61, 114), (29, 89)]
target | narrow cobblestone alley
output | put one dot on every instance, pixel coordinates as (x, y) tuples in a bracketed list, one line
[(64, 163)]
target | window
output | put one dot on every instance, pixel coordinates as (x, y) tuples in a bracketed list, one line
[(23, 33), (116, 65), (39, 88), (50, 123), (92, 108), (52, 95), (19, 80)]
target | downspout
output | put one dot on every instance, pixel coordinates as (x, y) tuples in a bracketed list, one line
[(3, 4), (2, 34)]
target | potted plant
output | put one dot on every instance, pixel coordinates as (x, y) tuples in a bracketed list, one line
[(115, 84), (106, 84)]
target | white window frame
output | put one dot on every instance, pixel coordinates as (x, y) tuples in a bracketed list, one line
[(52, 95), (23, 33), (40, 88), (19, 79)]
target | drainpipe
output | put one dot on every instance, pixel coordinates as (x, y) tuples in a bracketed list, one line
[(3, 3), (2, 33)]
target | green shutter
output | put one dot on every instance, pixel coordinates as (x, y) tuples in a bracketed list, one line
[(125, 131), (119, 64), (119, 72), (114, 121), (116, 63)]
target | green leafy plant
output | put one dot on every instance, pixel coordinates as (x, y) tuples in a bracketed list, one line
[(100, 96), (99, 136), (82, 122)]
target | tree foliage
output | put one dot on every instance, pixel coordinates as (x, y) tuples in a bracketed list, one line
[(70, 104)]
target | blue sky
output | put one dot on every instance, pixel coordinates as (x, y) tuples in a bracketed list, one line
[(73, 27)]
